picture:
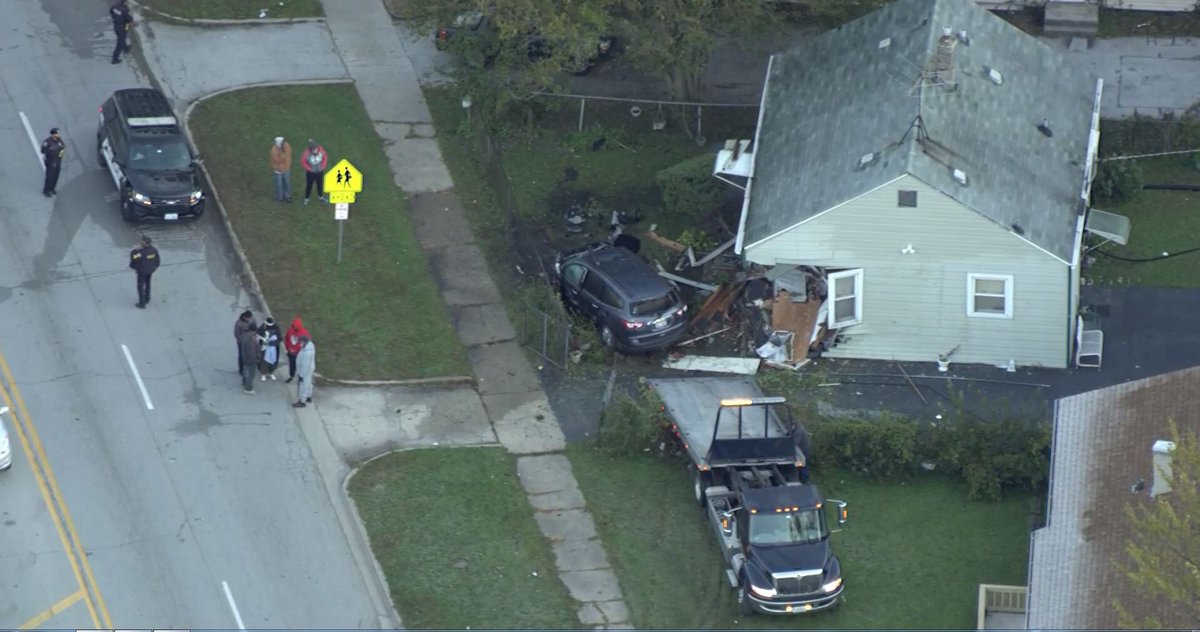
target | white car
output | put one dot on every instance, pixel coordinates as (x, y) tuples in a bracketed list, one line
[(5, 445)]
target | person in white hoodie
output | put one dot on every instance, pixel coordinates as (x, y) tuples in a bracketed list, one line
[(306, 369)]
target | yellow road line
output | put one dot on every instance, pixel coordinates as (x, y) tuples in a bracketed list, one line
[(48, 485), (44, 616)]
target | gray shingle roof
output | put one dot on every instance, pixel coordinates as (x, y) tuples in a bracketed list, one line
[(1102, 442), (840, 96)]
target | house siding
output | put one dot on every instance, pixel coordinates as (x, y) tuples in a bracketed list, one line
[(915, 305)]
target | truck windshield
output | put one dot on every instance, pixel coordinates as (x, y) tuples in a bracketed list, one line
[(161, 156), (804, 527)]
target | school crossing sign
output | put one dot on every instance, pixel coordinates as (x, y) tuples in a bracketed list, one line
[(342, 182)]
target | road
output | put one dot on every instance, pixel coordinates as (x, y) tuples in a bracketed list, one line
[(147, 491)]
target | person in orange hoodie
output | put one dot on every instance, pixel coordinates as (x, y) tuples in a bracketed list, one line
[(291, 343), (281, 165)]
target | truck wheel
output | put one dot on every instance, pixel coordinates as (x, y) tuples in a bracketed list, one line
[(744, 604), (700, 482)]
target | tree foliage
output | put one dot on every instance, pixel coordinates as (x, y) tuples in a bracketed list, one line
[(1163, 554)]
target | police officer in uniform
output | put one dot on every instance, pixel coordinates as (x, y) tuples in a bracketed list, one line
[(144, 260), (122, 21), (53, 149)]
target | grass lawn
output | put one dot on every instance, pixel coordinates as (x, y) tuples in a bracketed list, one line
[(1163, 221), (913, 554), (377, 314), (235, 9), (456, 538)]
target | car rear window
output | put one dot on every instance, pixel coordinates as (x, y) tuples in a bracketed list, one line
[(653, 306)]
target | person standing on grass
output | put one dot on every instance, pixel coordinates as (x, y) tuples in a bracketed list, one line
[(244, 322), (268, 342), (306, 370), (291, 343), (315, 160), (251, 355), (281, 165)]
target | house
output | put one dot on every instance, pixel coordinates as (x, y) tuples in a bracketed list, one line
[(928, 168), (1108, 454)]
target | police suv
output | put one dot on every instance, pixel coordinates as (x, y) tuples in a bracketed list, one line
[(148, 156)]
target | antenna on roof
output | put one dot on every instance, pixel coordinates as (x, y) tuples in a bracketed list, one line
[(939, 68)]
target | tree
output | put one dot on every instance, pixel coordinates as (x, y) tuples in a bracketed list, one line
[(674, 39), (1163, 554)]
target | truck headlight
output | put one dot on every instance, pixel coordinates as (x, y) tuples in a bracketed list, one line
[(197, 196), (762, 592), (833, 585), (144, 199)]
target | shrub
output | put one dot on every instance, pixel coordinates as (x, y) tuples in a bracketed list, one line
[(1117, 180), (631, 425), (883, 448), (688, 188)]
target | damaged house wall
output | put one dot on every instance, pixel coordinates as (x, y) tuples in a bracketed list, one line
[(916, 262)]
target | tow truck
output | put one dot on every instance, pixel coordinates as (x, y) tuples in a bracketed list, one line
[(749, 470)]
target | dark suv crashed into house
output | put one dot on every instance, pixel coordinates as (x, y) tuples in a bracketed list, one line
[(634, 309), (143, 148)]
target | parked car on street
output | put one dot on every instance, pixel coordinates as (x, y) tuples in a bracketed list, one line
[(142, 146), (5, 444), (634, 309)]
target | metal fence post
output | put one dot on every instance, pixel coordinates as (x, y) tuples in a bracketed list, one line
[(545, 330), (582, 103)]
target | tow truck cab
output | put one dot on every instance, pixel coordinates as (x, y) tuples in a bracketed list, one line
[(777, 544)]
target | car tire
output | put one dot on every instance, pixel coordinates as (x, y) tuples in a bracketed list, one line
[(608, 338), (126, 205), (701, 481), (100, 152)]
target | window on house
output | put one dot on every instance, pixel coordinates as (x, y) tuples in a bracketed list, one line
[(907, 198), (845, 294), (990, 295)]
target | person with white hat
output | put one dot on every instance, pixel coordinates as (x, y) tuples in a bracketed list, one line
[(281, 166)]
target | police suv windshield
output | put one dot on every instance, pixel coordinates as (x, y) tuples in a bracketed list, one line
[(159, 156), (802, 527)]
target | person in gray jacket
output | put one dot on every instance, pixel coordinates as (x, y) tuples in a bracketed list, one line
[(306, 369), (251, 355)]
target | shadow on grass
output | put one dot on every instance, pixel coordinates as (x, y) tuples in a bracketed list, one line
[(377, 314), (452, 530)]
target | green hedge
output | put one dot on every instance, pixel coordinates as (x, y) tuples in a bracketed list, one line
[(688, 187), (991, 456)]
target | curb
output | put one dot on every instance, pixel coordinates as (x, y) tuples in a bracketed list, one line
[(396, 17), (449, 380), (214, 22)]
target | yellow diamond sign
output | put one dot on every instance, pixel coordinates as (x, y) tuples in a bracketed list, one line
[(343, 178)]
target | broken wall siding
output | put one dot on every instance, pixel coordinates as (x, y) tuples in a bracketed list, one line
[(915, 305)]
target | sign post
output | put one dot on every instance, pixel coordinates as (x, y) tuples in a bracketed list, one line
[(341, 183)]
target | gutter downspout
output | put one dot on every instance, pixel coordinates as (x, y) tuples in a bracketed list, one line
[(741, 232), (1085, 200)]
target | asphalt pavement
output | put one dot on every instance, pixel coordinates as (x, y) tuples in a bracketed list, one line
[(147, 490)]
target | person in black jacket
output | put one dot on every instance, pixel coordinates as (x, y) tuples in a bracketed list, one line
[(144, 260), (122, 21), (53, 149)]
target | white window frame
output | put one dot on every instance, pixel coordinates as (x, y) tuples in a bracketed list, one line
[(831, 282), (1008, 295)]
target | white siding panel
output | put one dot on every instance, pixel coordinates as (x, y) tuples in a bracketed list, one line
[(915, 305)]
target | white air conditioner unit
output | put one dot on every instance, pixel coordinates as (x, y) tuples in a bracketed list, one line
[(735, 160)]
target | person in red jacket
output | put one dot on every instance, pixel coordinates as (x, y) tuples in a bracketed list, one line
[(291, 342), (315, 160)]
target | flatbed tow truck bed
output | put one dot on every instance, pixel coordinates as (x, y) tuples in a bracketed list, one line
[(692, 404)]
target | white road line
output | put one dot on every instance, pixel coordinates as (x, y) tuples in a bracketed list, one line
[(137, 376), (37, 149), (237, 616)]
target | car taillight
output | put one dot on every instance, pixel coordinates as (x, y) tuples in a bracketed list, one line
[(633, 324), (443, 35)]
